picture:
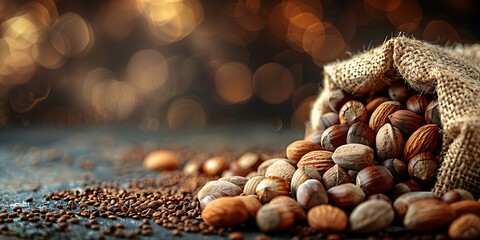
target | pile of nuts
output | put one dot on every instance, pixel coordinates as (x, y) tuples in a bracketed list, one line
[(369, 164)]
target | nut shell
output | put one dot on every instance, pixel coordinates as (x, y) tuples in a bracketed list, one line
[(337, 98), (375, 179), (311, 193), (250, 187), (219, 189), (466, 206), (417, 104), (428, 214), (380, 116), (160, 160), (403, 201), (372, 105), (423, 139), (423, 168), (465, 227), (237, 180), (407, 121), (389, 142), (271, 187), (297, 149), (275, 217), (371, 216), (335, 176), (215, 166), (345, 196), (301, 175), (361, 133), (353, 156), (280, 169), (319, 160), (327, 219), (334, 136), (352, 112), (225, 212), (432, 114)]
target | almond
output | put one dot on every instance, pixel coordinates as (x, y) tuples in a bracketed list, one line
[(380, 116), (297, 149), (407, 121), (428, 214), (465, 227), (466, 206), (319, 160), (423, 139), (225, 212)]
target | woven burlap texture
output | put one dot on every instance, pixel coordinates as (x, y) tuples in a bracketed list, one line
[(452, 72)]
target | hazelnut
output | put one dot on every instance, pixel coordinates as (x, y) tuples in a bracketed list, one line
[(281, 169), (455, 195), (417, 104), (423, 139), (380, 196), (380, 116), (292, 204), (215, 166), (407, 121), (427, 215), (372, 105), (351, 112), (262, 168), (361, 133), (160, 160), (397, 168), (375, 179), (319, 160), (225, 212), (465, 227), (389, 142), (334, 136), (345, 196), (297, 149), (327, 219), (311, 193), (251, 185), (432, 114), (403, 201), (271, 187), (353, 156), (335, 176), (398, 91), (193, 166), (301, 175), (218, 189), (371, 216), (423, 168), (337, 98), (275, 217)]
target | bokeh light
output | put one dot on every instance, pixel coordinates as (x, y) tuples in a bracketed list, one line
[(233, 82), (273, 83)]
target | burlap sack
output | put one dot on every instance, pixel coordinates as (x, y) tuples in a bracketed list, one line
[(453, 73)]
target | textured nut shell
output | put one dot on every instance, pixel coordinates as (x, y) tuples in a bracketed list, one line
[(161, 160), (465, 227), (334, 136), (375, 179), (360, 132), (403, 201), (407, 121), (380, 116), (335, 176), (351, 112), (311, 193), (280, 169), (372, 105), (292, 204), (353, 156), (271, 187), (371, 216), (274, 217), (219, 188), (345, 196), (389, 142), (432, 114), (423, 167), (225, 212), (301, 175), (237, 180), (262, 168), (417, 104), (423, 140), (466, 206), (251, 186), (327, 219), (319, 160), (297, 149), (428, 214)]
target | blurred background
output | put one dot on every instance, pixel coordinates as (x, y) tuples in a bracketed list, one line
[(178, 64)]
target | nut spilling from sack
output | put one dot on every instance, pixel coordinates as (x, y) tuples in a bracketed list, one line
[(370, 161)]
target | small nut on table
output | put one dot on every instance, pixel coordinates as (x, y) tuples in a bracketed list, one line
[(225, 212), (311, 193), (371, 216), (327, 219), (297, 149)]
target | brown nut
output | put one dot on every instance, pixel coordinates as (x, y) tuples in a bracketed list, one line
[(249, 160), (337, 98), (405, 187), (160, 160), (281, 169), (423, 140), (428, 214), (215, 166), (225, 212), (193, 166), (237, 180), (250, 187), (361, 133), (335, 176), (262, 168), (345, 196), (375, 179), (301, 175), (275, 217), (327, 120), (311, 193), (297, 149), (403, 201), (397, 168), (292, 204), (327, 219), (398, 91), (271, 187), (423, 168), (219, 189), (407, 121), (417, 104), (455, 195), (380, 116), (465, 227), (252, 204), (353, 156), (380, 196), (372, 105), (352, 112), (466, 206), (432, 114), (319, 160), (334, 136), (371, 216), (389, 142)]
